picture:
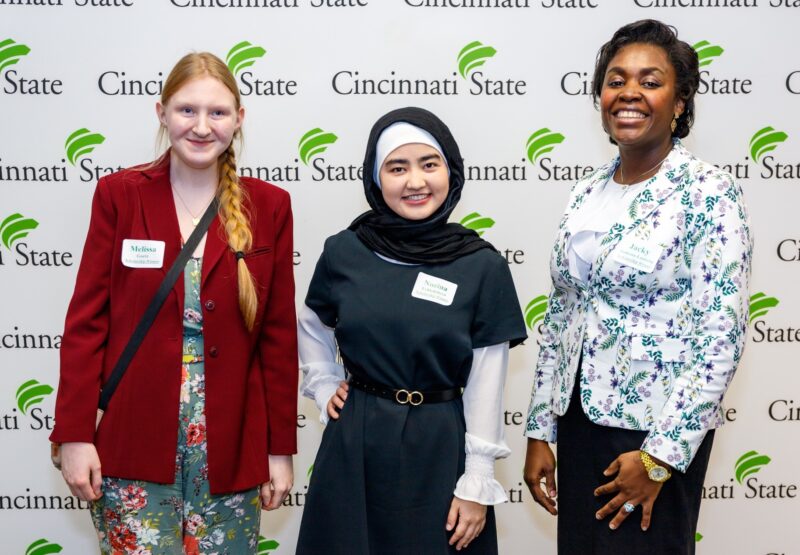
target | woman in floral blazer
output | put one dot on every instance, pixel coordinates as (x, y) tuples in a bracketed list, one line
[(647, 315)]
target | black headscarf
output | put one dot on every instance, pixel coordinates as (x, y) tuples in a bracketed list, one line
[(428, 241)]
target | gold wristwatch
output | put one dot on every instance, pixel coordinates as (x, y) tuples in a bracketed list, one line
[(655, 471)]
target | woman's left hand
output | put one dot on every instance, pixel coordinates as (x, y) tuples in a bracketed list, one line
[(633, 486), (468, 518), (281, 474)]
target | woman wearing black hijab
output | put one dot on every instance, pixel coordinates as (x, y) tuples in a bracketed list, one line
[(423, 313)]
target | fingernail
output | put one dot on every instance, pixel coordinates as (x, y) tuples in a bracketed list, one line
[(605, 473), (644, 528), (597, 516), (552, 493), (612, 526)]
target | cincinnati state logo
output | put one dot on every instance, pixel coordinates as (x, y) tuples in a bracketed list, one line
[(748, 464), (14, 228), (534, 314), (698, 536), (313, 143), (765, 141), (760, 304), (243, 55), (43, 547), (477, 223), (473, 56), (265, 546), (80, 143), (747, 477), (707, 52), (11, 52), (542, 142), (31, 393)]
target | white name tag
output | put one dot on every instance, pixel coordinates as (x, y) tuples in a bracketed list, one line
[(434, 289), (140, 253), (638, 254)]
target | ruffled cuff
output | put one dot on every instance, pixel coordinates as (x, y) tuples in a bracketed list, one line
[(477, 483), (324, 393)]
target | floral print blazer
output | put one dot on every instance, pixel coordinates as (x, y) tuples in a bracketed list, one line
[(661, 320)]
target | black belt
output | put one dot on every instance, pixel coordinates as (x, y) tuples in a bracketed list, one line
[(405, 396)]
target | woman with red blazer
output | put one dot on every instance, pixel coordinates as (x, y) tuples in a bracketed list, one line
[(203, 423)]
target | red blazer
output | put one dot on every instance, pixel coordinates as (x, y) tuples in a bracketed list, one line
[(251, 377)]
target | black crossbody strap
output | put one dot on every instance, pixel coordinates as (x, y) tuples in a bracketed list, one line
[(155, 305)]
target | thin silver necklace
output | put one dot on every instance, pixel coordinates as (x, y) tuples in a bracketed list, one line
[(195, 219), (622, 174)]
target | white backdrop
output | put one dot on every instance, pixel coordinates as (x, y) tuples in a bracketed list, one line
[(67, 65)]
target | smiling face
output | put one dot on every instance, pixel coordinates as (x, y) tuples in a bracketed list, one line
[(201, 118), (638, 100), (414, 181)]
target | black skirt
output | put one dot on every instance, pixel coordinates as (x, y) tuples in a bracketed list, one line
[(585, 450), (383, 481)]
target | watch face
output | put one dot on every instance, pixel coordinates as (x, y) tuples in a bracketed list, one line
[(658, 474)]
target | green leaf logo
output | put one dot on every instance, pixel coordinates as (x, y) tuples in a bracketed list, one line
[(477, 223), (16, 227), (541, 142), (534, 312), (81, 143), (707, 52), (473, 56), (314, 142), (43, 547), (310, 470), (11, 52), (243, 55), (31, 393), (765, 140), (750, 463), (760, 305), (266, 546), (698, 536)]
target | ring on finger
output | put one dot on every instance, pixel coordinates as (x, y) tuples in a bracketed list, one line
[(629, 507)]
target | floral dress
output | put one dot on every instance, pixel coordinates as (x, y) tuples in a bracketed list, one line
[(134, 517)]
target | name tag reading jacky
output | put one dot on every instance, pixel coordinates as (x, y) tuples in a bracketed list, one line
[(437, 290), (140, 253), (639, 254)]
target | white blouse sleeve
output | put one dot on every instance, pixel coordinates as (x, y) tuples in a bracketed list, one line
[(485, 437), (316, 345)]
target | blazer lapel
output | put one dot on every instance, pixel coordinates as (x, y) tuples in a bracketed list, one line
[(659, 188), (216, 245), (161, 220)]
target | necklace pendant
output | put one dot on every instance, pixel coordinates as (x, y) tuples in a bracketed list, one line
[(195, 221)]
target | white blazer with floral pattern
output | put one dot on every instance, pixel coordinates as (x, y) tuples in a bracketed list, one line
[(662, 318)]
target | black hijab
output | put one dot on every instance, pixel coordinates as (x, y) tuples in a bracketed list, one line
[(428, 241)]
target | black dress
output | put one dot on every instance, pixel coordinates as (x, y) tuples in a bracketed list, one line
[(384, 475)]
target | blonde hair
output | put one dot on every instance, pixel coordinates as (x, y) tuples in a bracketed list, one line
[(232, 212)]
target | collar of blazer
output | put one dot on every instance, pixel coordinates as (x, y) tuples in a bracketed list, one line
[(673, 176), (161, 220)]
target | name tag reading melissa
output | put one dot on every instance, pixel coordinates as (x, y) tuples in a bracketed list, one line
[(437, 290), (141, 253), (639, 255)]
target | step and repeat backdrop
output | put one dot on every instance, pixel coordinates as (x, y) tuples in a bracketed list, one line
[(78, 84)]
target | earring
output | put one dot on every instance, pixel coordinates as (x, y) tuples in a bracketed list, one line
[(674, 123)]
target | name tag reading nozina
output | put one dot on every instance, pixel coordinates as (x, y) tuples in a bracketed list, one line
[(141, 253), (437, 290)]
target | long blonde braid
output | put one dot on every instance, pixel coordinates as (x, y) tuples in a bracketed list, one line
[(237, 228)]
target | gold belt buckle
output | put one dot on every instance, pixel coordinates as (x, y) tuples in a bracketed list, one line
[(405, 397)]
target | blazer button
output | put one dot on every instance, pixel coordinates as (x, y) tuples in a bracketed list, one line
[(210, 305), (213, 352)]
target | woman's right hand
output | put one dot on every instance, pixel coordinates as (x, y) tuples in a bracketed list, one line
[(337, 400), (80, 467), (540, 463)]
